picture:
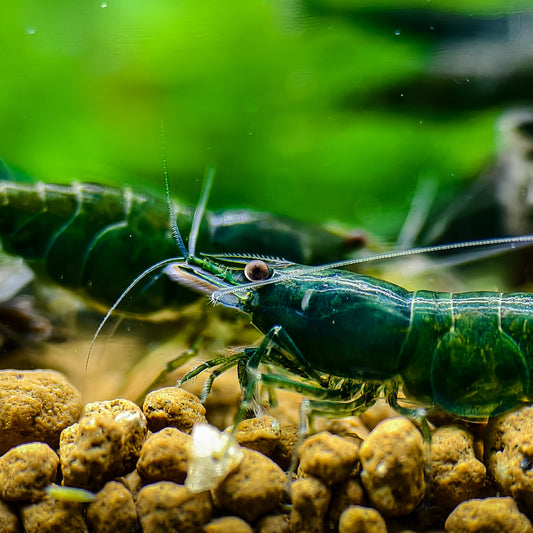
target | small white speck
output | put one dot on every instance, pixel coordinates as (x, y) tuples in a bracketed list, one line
[(30, 31), (130, 416), (381, 469), (397, 32), (103, 5)]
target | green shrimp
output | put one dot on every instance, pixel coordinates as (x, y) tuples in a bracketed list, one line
[(343, 339), (93, 239)]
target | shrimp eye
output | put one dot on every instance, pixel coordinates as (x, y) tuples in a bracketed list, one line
[(256, 271)]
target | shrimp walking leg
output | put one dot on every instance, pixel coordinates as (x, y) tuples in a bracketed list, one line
[(169, 368), (349, 396), (278, 347)]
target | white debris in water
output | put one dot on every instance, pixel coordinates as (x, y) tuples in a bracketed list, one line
[(211, 457), (15, 274)]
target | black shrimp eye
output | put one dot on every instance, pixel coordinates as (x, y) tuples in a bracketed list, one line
[(256, 271)]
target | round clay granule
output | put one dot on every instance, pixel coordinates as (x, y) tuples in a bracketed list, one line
[(164, 456), (228, 524), (95, 451), (35, 405), (351, 426), (173, 407), (259, 434), (356, 519), (380, 411), (254, 488), (509, 454), (285, 449), (456, 474), (9, 519), (113, 511), (328, 457), (310, 500), (277, 523), (345, 494), (166, 507), (491, 515), (131, 419), (26, 470), (393, 460), (104, 445), (53, 516)]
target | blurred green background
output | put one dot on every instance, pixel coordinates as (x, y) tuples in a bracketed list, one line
[(318, 109)]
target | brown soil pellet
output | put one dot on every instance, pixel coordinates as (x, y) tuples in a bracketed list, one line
[(456, 474), (104, 445), (328, 457), (491, 515), (26, 470), (393, 459), (310, 500), (166, 507), (35, 406), (380, 411), (130, 417), (91, 453), (9, 520), (52, 516), (277, 523), (228, 524), (349, 492), (351, 426), (173, 407), (285, 449), (509, 454), (254, 488), (113, 511), (259, 434), (164, 456), (358, 519)]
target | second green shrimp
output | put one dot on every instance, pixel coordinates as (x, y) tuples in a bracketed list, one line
[(95, 239)]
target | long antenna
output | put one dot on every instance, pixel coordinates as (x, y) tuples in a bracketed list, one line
[(175, 234), (171, 208), (200, 209), (126, 291), (503, 243)]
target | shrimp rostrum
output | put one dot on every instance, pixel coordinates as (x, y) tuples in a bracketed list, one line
[(343, 339)]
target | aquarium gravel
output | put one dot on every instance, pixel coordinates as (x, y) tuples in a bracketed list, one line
[(364, 479)]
